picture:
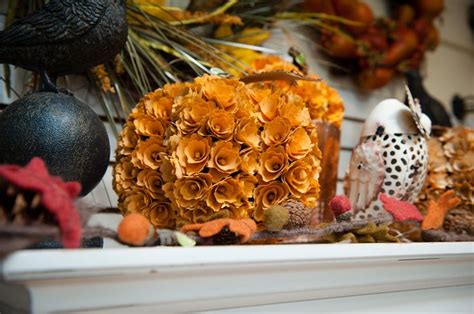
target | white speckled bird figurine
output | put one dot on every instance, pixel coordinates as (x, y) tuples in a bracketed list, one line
[(391, 157)]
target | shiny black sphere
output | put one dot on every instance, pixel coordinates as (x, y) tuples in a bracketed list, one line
[(61, 130)]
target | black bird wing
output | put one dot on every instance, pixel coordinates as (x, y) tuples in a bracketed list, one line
[(57, 21)]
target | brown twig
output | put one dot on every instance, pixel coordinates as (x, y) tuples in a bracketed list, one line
[(165, 237), (276, 76), (445, 236), (17, 237), (99, 231), (109, 210), (316, 234), (42, 231)]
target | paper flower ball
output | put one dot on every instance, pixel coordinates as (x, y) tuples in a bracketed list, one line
[(216, 148)]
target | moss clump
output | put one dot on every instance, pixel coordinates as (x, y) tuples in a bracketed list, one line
[(275, 218), (371, 233)]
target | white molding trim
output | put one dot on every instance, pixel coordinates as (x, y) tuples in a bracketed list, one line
[(213, 278)]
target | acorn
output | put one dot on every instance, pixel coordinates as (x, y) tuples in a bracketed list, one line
[(292, 214), (299, 215), (341, 207)]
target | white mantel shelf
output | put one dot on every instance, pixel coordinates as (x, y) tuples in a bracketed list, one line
[(437, 276)]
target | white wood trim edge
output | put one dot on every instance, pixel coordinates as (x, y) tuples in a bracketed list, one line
[(203, 278)]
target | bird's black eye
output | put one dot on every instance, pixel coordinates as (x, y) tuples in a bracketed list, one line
[(380, 131)]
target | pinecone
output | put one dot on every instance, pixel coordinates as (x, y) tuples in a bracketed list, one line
[(20, 207), (35, 205), (299, 215), (460, 221)]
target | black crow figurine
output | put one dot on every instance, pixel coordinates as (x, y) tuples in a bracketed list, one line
[(65, 37), (429, 105)]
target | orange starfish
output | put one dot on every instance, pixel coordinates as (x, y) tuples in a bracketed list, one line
[(438, 210), (243, 228)]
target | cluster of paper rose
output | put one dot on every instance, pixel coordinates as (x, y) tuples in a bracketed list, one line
[(215, 147), (323, 101)]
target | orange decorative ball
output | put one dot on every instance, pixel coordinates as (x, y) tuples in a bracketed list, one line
[(219, 148), (134, 229)]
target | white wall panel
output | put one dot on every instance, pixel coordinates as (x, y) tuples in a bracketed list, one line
[(103, 195), (453, 25), (449, 71), (344, 158), (340, 188), (350, 133), (112, 138)]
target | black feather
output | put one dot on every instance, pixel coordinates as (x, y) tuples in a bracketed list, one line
[(65, 36), (54, 22)]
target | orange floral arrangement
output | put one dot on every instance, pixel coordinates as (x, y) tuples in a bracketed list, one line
[(216, 148), (323, 102)]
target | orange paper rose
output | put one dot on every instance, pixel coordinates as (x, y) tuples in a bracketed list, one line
[(299, 144), (276, 131), (161, 214), (147, 154), (150, 126), (267, 195), (125, 174), (273, 162), (136, 201), (298, 178), (249, 160), (225, 157), (220, 124), (158, 105), (295, 110), (192, 155), (247, 184), (193, 113), (223, 92), (225, 193), (190, 191), (151, 181), (128, 141), (269, 107), (247, 132)]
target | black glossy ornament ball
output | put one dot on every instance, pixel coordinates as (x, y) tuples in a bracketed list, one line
[(61, 130)]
